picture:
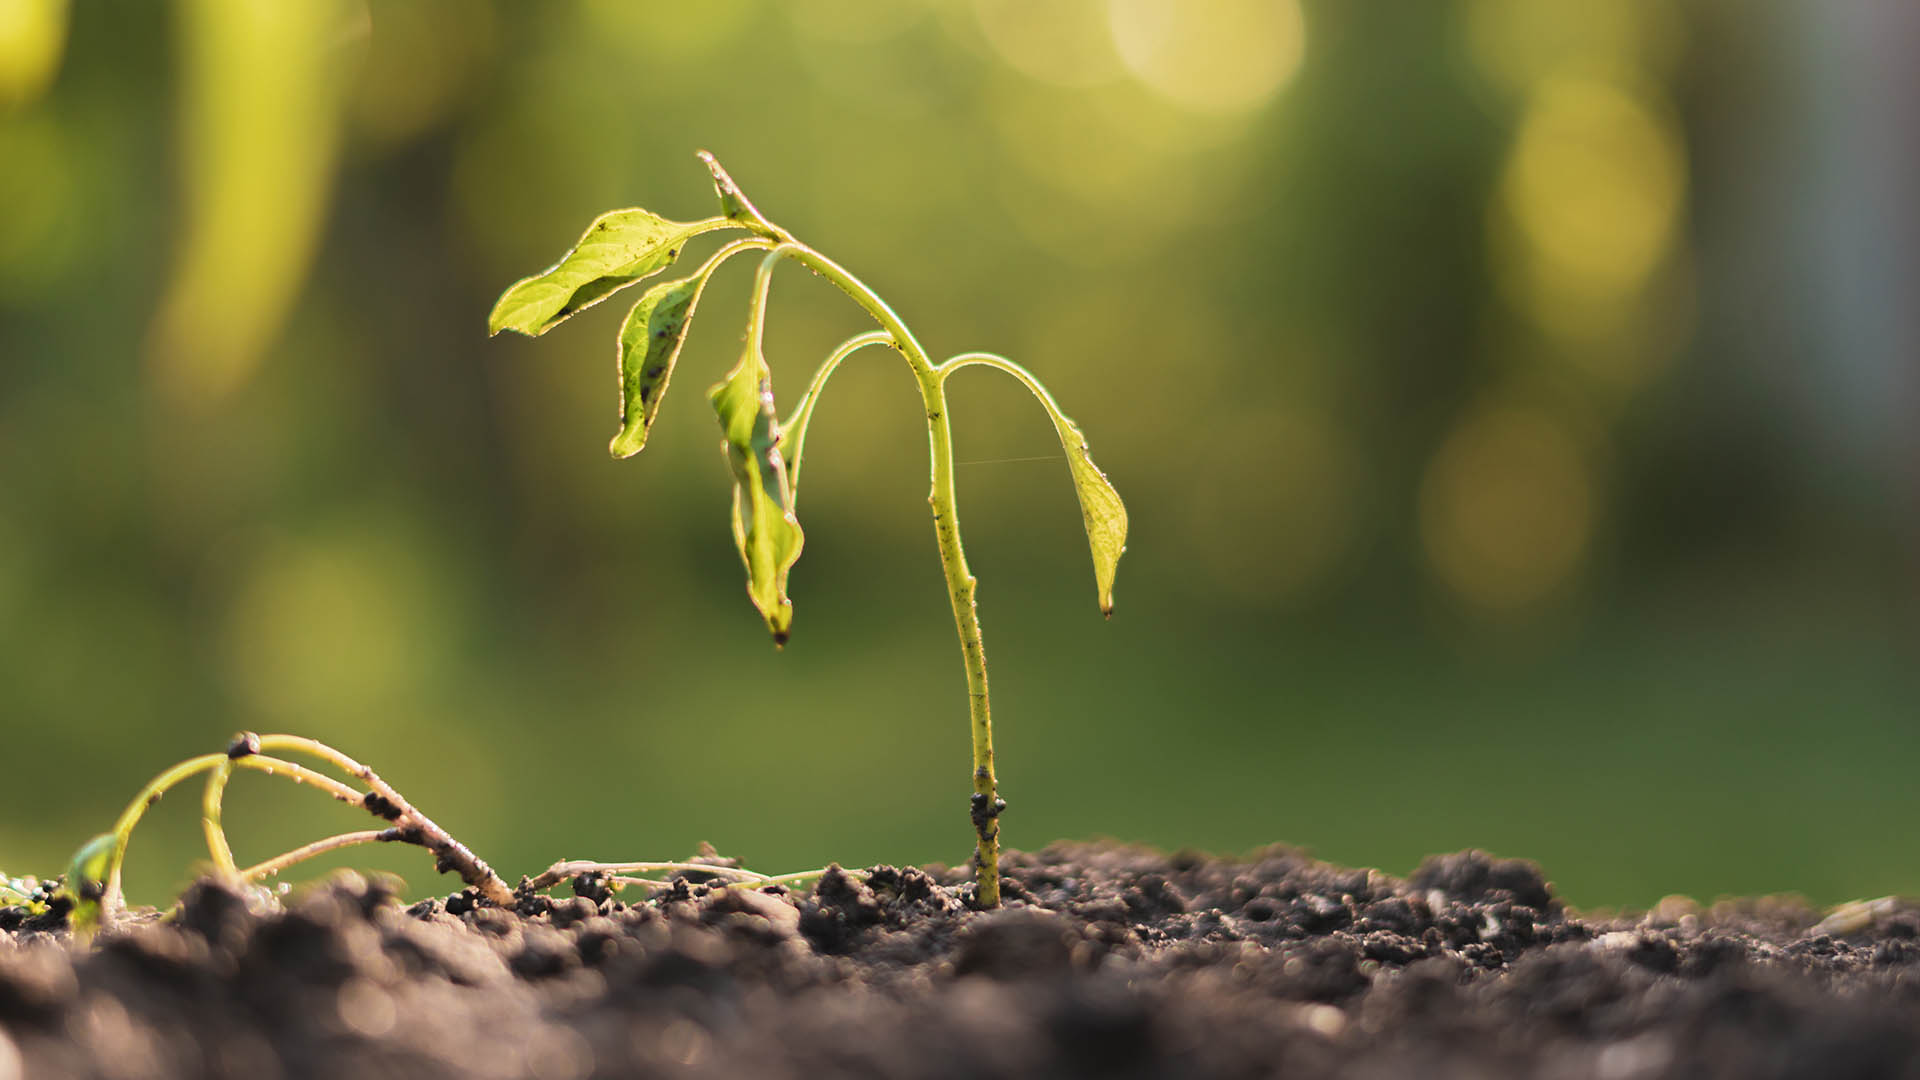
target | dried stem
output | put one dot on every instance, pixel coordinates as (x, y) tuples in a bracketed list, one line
[(318, 847), (409, 824), (572, 868)]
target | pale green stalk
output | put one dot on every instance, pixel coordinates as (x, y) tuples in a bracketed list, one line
[(961, 584)]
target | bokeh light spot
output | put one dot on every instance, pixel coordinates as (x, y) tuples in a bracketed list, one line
[(1516, 43), (1211, 55), (1507, 508), (1063, 42), (1594, 187), (33, 34)]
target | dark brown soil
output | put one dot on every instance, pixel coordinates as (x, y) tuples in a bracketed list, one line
[(1105, 962)]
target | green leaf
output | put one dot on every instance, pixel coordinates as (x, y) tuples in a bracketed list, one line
[(650, 342), (1101, 510), (618, 249), (764, 528)]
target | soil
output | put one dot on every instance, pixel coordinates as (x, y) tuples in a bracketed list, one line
[(1104, 962)]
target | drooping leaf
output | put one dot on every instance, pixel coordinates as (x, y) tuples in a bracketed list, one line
[(618, 249), (1104, 515), (764, 528), (650, 342)]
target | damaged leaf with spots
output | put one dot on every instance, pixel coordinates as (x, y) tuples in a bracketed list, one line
[(620, 248), (650, 342), (764, 457), (764, 528)]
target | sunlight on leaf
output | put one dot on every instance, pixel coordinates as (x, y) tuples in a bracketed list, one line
[(1102, 511), (620, 248), (650, 342), (764, 528)]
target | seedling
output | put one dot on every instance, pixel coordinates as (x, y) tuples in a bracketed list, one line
[(623, 247), (92, 885)]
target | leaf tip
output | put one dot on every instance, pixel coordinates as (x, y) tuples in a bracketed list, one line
[(626, 444)]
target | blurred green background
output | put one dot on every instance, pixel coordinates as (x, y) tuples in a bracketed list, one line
[(1513, 401)]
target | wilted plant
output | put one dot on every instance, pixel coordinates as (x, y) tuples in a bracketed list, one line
[(93, 878), (91, 887), (624, 247)]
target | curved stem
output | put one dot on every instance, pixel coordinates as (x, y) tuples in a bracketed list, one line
[(111, 901), (307, 851), (412, 825), (795, 428), (210, 805), (868, 300), (961, 584), (995, 360), (300, 774)]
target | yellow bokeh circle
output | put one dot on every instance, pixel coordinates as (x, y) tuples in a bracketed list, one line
[(1211, 55)]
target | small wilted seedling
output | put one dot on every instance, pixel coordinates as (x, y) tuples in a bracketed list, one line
[(91, 888), (93, 879), (623, 247)]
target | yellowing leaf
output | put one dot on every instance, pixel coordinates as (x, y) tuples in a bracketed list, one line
[(1104, 515), (764, 528), (650, 342), (618, 249)]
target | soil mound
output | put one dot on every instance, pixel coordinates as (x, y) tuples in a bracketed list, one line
[(1104, 962)]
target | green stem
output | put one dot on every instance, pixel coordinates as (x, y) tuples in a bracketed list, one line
[(111, 901), (210, 809), (793, 433), (961, 585)]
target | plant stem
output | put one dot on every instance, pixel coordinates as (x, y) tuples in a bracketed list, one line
[(961, 585), (561, 871), (308, 851), (111, 902), (415, 827), (210, 816)]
